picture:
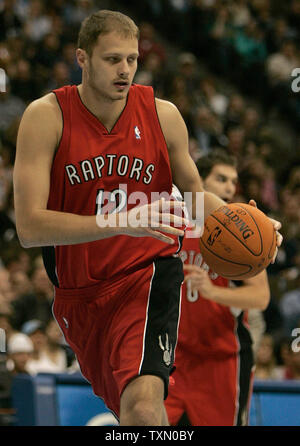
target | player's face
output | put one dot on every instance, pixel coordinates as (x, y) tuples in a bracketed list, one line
[(112, 66), (222, 181)]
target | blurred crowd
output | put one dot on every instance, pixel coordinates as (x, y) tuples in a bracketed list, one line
[(227, 65)]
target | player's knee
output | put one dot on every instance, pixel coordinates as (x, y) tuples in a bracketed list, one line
[(142, 402), (145, 413)]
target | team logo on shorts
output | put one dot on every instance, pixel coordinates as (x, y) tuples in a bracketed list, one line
[(167, 349)]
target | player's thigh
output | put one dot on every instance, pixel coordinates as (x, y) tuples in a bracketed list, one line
[(145, 328)]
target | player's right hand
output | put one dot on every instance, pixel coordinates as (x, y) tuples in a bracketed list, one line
[(154, 220)]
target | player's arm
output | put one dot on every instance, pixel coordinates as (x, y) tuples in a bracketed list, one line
[(254, 293), (39, 135), (184, 171)]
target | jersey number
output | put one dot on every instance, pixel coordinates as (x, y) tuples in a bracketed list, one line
[(110, 202), (191, 295)]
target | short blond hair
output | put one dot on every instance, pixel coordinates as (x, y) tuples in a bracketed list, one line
[(104, 22)]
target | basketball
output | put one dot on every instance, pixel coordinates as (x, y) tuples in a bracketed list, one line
[(238, 241)]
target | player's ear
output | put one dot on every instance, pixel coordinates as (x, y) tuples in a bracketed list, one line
[(81, 56)]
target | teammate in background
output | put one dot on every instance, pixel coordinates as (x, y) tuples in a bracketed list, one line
[(214, 358), (82, 150)]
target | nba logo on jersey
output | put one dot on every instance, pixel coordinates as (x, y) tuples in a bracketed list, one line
[(137, 132)]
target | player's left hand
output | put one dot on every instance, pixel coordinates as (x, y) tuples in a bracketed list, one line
[(198, 279), (277, 227)]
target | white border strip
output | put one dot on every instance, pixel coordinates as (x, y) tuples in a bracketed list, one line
[(146, 321)]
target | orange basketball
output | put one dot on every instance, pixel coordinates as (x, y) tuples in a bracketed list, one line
[(238, 241)]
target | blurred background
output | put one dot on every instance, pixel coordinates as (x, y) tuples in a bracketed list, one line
[(227, 65)]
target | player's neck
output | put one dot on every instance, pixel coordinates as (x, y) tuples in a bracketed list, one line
[(105, 109)]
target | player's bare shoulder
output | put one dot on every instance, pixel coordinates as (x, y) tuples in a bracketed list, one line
[(45, 106), (42, 119), (171, 121), (166, 110)]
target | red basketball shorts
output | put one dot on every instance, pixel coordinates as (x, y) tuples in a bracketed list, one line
[(211, 391), (120, 330)]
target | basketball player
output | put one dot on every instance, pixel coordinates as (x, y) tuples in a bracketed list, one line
[(214, 359), (84, 153)]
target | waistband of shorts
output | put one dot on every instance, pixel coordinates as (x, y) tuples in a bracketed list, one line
[(102, 287)]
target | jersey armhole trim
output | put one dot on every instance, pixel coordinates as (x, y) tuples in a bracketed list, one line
[(162, 133), (63, 127), (159, 124)]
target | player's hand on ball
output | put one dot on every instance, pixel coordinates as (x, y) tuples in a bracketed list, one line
[(198, 279), (277, 226)]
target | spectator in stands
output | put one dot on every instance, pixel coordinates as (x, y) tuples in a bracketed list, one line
[(19, 261), (292, 370), (251, 52), (20, 350), (78, 10), (280, 65), (259, 174), (269, 192), (240, 13), (291, 214), (194, 149), (47, 356), (252, 187), (251, 123), (69, 58), (47, 53), (250, 45), (293, 16), (58, 27), (217, 101), (266, 367), (5, 184), (290, 308), (188, 70), (278, 33), (37, 24), (236, 141), (294, 178), (23, 85), (20, 283), (6, 293), (261, 11), (207, 129), (60, 76), (10, 23), (185, 106), (5, 322), (153, 70), (235, 111), (14, 362), (148, 43), (57, 348), (177, 86), (221, 32), (36, 305), (11, 108)]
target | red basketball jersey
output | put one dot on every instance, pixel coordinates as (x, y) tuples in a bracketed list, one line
[(206, 327), (96, 171)]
